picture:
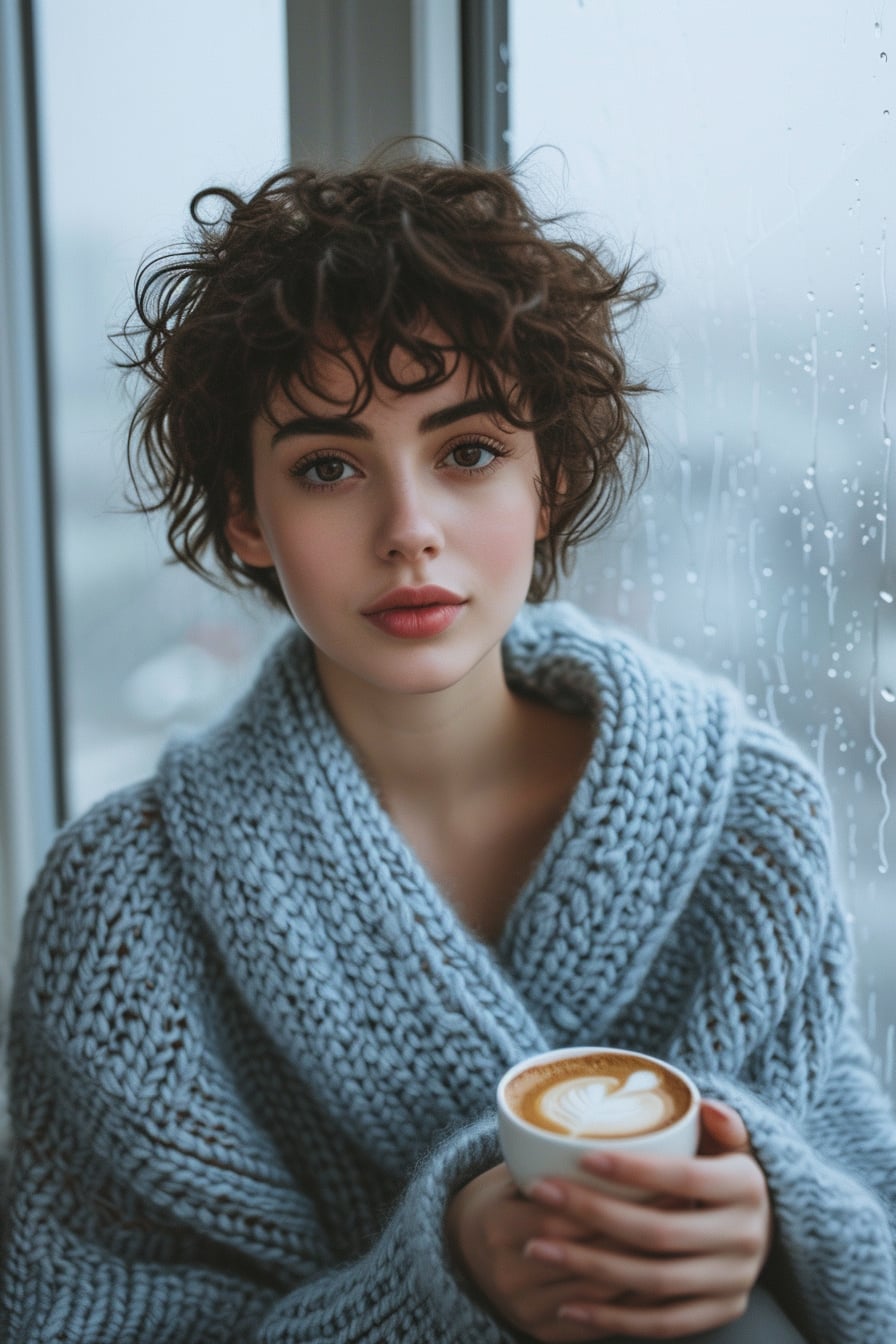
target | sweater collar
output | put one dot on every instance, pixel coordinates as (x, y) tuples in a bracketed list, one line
[(322, 914)]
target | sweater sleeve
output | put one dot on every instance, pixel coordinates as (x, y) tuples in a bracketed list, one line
[(833, 1205), (78, 1271), (773, 1010), (139, 1215)]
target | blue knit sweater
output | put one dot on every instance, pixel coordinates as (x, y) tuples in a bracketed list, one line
[(254, 1051)]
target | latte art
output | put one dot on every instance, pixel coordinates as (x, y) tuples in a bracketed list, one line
[(605, 1095), (607, 1108)]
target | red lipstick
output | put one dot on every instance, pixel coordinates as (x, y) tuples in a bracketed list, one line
[(415, 613)]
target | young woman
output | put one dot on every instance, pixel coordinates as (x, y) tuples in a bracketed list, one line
[(264, 997)]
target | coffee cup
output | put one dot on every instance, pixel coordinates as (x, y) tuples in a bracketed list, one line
[(555, 1107)]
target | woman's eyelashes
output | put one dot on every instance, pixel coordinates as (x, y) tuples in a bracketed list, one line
[(473, 456), (322, 472)]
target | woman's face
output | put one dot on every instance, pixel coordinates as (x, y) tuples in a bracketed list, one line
[(361, 516)]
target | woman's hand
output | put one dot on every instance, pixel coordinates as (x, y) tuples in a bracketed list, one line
[(689, 1261), (488, 1224)]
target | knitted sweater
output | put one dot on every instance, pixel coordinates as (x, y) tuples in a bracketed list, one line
[(254, 1050)]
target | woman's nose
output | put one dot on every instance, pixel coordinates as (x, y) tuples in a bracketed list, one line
[(408, 526)]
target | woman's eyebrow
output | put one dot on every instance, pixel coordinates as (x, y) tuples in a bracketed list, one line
[(347, 427), (447, 416), (343, 425)]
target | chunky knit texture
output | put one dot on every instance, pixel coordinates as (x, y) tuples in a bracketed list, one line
[(254, 1051)]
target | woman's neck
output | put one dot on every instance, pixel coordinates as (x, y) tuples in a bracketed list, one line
[(437, 747)]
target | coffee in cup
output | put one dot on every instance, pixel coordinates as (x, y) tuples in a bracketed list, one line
[(554, 1108)]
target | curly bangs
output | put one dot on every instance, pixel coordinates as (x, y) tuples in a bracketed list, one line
[(361, 262)]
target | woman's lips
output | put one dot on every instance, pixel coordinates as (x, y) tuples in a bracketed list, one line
[(415, 613), (416, 622)]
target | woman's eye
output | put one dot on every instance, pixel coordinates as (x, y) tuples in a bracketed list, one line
[(323, 471), (474, 455)]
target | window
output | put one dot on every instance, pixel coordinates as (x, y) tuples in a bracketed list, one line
[(140, 106), (136, 108), (746, 150)]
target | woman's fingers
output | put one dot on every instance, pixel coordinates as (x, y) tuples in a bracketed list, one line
[(731, 1210), (663, 1320), (653, 1277), (537, 1221), (679, 1262), (722, 1129), (732, 1179)]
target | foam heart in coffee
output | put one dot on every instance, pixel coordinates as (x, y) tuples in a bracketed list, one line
[(607, 1095)]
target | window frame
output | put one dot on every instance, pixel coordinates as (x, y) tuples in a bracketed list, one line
[(32, 788), (371, 73)]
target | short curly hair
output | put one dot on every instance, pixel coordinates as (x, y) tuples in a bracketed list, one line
[(372, 255)]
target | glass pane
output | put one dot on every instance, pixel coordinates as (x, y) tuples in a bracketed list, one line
[(747, 151), (141, 105)]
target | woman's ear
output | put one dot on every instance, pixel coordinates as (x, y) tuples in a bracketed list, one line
[(243, 533)]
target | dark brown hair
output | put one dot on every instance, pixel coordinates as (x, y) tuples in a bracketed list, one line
[(372, 254)]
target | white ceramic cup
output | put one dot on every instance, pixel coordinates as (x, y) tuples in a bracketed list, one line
[(532, 1152)]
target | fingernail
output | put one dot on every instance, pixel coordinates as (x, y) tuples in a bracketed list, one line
[(543, 1250), (575, 1314), (547, 1192)]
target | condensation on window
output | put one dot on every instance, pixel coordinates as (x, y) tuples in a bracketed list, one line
[(747, 152)]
